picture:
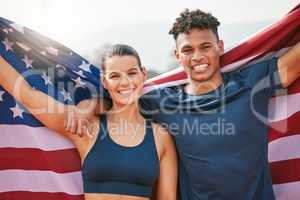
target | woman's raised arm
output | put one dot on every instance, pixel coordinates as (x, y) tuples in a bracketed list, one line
[(45, 108)]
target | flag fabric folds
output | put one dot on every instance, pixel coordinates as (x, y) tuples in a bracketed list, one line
[(36, 163)]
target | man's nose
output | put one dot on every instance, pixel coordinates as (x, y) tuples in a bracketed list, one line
[(197, 56)]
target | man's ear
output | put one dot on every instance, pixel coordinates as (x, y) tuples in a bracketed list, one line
[(176, 53), (221, 46)]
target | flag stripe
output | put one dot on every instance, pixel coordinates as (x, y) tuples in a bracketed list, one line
[(285, 148), (282, 107), (40, 181), (284, 128), (59, 161), (23, 136), (23, 195), (285, 171), (287, 191)]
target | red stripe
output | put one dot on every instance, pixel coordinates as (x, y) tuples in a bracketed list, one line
[(285, 171), (295, 87), (38, 196), (292, 124), (60, 161)]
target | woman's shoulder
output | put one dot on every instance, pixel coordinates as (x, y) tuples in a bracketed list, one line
[(161, 134)]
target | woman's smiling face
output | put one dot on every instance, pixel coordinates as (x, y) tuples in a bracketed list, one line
[(123, 78)]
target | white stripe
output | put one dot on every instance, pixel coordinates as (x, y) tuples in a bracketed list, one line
[(40, 181), (287, 191), (22, 136), (285, 148), (283, 107)]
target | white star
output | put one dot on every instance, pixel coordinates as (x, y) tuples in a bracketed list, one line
[(17, 111), (8, 44), (23, 46), (80, 73), (79, 82), (18, 27), (66, 95), (85, 66), (46, 78), (52, 50), (5, 30), (1, 95), (28, 62)]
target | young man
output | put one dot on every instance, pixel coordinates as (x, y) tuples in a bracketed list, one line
[(222, 144)]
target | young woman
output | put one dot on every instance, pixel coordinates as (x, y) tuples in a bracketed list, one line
[(126, 155)]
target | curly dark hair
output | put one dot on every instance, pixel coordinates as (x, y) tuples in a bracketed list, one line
[(194, 19)]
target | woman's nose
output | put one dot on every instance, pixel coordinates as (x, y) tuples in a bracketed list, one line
[(124, 80)]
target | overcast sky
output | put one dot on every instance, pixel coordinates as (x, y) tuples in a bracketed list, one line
[(72, 22)]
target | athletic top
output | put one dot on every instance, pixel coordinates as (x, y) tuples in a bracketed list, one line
[(115, 169), (221, 136)]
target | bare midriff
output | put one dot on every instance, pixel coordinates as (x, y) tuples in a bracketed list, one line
[(94, 196)]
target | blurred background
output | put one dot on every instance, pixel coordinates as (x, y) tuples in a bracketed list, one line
[(89, 26)]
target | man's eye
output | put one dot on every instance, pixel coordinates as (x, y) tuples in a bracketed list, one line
[(186, 50)]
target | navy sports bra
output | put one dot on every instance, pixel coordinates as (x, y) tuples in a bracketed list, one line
[(115, 169)]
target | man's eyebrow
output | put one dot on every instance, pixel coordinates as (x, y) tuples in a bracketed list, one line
[(186, 46)]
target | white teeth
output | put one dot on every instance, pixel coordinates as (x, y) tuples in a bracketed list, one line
[(126, 91), (200, 68)]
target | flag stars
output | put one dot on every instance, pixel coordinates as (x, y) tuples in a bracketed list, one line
[(85, 66), (28, 62), (80, 73), (79, 82), (23, 46), (7, 44), (1, 95), (52, 50), (66, 95), (17, 111), (46, 78)]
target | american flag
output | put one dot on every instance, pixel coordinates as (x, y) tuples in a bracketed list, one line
[(36, 163)]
